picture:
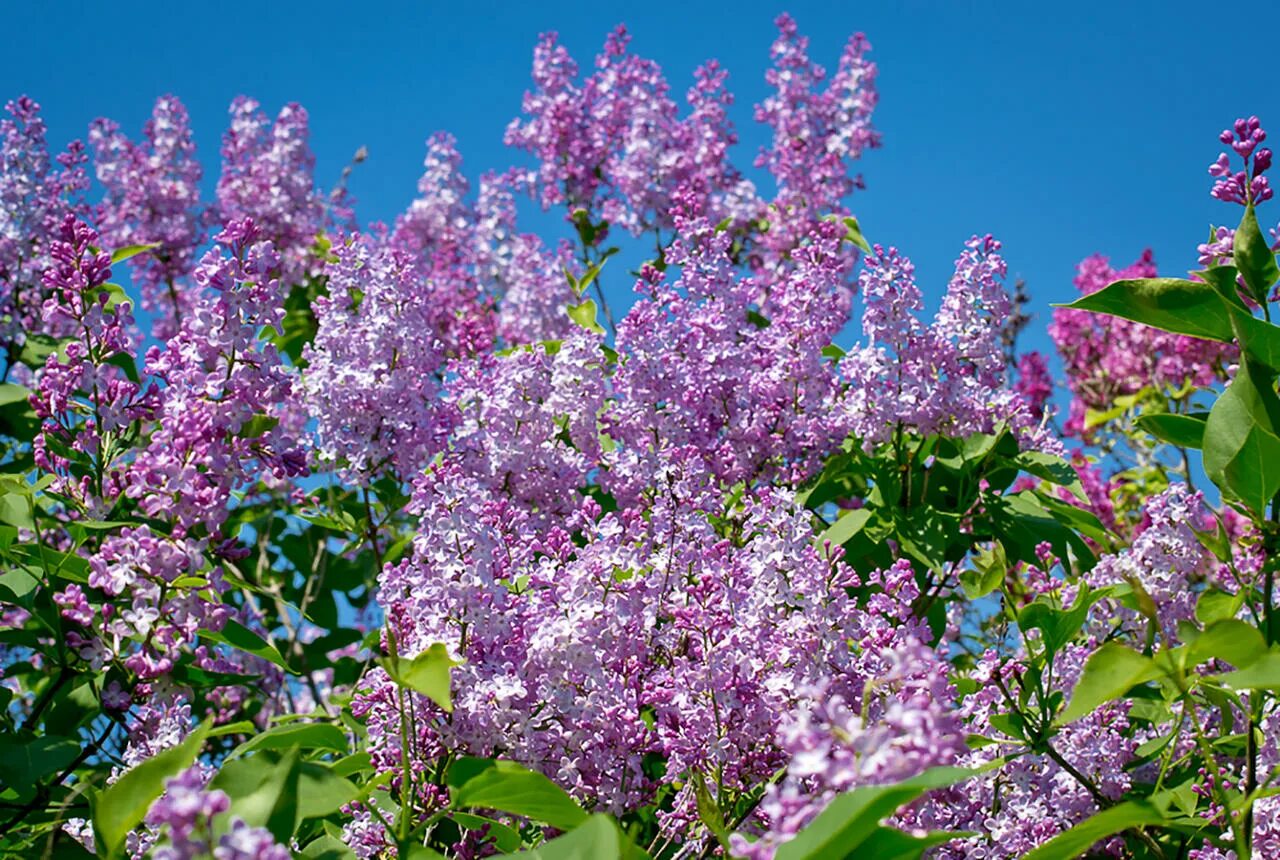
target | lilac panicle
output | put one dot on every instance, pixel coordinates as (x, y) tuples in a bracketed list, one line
[(153, 197)]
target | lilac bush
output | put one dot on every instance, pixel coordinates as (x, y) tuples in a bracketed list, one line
[(396, 540)]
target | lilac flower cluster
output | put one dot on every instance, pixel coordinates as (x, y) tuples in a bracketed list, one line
[(841, 737), (153, 198), (1248, 185), (219, 411), (658, 635), (702, 370), (267, 177), (817, 133), (948, 376), (85, 399), (185, 814), (36, 194), (615, 145)]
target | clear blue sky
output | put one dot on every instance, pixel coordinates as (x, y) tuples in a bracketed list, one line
[(1061, 128)]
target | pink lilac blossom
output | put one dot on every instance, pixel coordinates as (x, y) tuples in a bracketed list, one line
[(1107, 357), (267, 177), (527, 421), (219, 376), (891, 725), (153, 619), (1034, 382), (526, 276), (36, 195), (570, 645), (1165, 558), (153, 197), (472, 255), (1248, 185)]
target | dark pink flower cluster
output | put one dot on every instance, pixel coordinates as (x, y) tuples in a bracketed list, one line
[(1107, 357)]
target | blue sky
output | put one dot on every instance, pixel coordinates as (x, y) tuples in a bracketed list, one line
[(1063, 129)]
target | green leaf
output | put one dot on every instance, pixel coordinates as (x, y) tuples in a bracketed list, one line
[(277, 791), (264, 790), (236, 635), (597, 838), (11, 393), (854, 817), (853, 233), (1108, 674), (119, 255), (584, 314), (1053, 469), (38, 347), (1192, 308), (1184, 431), (1241, 445), (327, 848), (321, 792), (1079, 839), (23, 764), (509, 787), (505, 837), (1261, 674), (122, 806), (324, 736), (885, 843), (16, 585), (1057, 626), (1254, 257), (427, 673), (847, 526), (1229, 640), (1258, 339), (1215, 604), (990, 566)]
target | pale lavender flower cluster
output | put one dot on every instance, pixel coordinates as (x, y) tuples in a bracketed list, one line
[(1165, 558), (163, 599), (527, 421), (375, 367), (615, 145), (267, 177), (817, 132), (1031, 798), (656, 635), (153, 197), (36, 194), (703, 370), (887, 721), (400, 307), (945, 377)]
